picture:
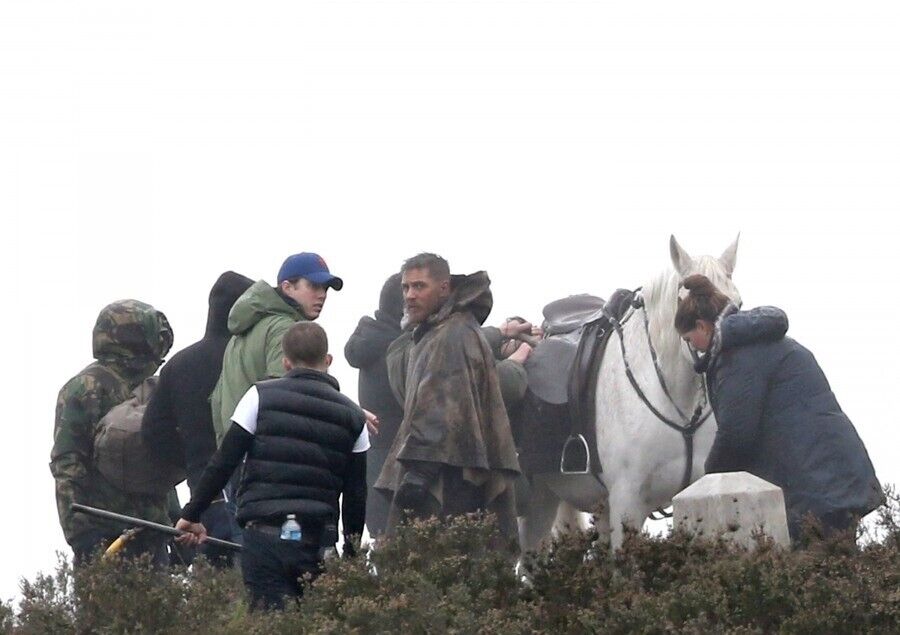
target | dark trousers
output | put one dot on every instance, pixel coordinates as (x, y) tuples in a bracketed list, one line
[(219, 524), (460, 497), (232, 531), (272, 568), (377, 504)]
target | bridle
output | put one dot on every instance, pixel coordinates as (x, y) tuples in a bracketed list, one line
[(687, 426)]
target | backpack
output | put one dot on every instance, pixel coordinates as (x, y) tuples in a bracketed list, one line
[(122, 456)]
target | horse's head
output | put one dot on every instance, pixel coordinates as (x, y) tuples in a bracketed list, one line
[(718, 270), (661, 295)]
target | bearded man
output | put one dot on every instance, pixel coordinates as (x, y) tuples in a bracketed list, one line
[(454, 452)]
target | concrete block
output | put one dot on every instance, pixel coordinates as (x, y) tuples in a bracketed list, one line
[(735, 505)]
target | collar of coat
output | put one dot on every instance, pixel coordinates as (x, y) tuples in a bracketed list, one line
[(715, 346), (471, 293), (291, 302), (309, 373)]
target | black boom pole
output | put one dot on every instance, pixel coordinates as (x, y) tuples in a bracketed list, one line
[(140, 522)]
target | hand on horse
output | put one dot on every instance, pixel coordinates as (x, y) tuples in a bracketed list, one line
[(519, 329), (515, 326)]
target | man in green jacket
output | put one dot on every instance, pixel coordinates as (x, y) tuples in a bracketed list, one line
[(258, 321)]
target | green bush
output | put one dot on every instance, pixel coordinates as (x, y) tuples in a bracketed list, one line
[(458, 577)]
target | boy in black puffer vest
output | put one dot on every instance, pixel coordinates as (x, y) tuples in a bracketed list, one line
[(305, 445)]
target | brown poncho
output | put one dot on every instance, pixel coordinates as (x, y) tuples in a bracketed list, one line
[(453, 410)]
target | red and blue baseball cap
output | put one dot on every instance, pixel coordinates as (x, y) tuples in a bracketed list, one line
[(310, 266)]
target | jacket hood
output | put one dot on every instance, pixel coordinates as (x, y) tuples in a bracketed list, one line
[(256, 303), (762, 324), (224, 293), (133, 336), (373, 330), (470, 293), (390, 303)]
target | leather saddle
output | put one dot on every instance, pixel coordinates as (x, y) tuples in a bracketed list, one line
[(562, 379)]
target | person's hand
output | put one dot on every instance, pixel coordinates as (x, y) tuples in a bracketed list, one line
[(372, 422), (194, 533), (521, 353), (514, 327), (508, 347)]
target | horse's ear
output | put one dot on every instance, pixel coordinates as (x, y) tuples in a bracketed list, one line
[(681, 260), (728, 259)]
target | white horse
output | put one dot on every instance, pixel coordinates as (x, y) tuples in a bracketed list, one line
[(643, 459)]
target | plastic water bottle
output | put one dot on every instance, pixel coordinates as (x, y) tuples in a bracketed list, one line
[(290, 530)]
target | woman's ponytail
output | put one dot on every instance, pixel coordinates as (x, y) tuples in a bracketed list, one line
[(702, 302)]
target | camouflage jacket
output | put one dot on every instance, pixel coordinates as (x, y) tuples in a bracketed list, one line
[(453, 410), (130, 339), (511, 374)]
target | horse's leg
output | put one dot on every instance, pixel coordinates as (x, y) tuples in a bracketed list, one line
[(600, 521), (569, 519), (535, 526), (625, 509)]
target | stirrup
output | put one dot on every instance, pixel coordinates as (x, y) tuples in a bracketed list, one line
[(576, 456), (576, 483)]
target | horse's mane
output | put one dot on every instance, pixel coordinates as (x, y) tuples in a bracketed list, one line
[(661, 300)]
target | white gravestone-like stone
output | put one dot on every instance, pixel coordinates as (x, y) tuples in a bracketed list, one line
[(735, 505)]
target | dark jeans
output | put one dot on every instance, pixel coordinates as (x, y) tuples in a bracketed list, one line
[(219, 524), (272, 567), (232, 531)]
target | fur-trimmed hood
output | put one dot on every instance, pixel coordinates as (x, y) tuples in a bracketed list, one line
[(736, 328), (762, 324)]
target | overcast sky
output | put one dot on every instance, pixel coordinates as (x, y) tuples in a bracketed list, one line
[(146, 148)]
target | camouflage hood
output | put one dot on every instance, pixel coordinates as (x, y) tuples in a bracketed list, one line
[(132, 336), (258, 302)]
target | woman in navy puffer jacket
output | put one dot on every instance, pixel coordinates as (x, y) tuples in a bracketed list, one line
[(777, 416)]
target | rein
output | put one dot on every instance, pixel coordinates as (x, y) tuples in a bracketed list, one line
[(687, 427)]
